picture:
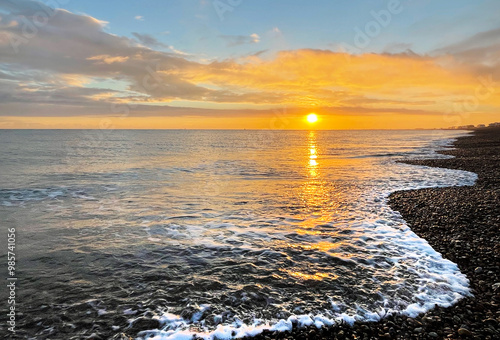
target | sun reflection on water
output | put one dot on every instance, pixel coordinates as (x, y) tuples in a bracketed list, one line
[(315, 191), (312, 154), (317, 197), (317, 276)]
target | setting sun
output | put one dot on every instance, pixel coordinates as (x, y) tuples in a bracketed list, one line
[(312, 118)]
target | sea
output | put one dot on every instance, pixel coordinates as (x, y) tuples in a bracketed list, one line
[(218, 233)]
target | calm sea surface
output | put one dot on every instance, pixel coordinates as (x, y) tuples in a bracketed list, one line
[(217, 232)]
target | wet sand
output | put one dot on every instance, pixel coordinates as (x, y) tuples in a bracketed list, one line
[(462, 223)]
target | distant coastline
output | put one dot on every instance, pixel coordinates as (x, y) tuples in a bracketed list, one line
[(474, 127)]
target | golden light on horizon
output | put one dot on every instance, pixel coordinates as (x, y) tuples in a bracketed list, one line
[(312, 118)]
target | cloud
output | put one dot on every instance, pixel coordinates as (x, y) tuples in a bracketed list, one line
[(77, 44), (236, 40), (322, 77), (50, 94), (107, 59), (139, 18), (255, 37), (397, 48), (176, 51), (148, 40), (480, 52), (47, 71)]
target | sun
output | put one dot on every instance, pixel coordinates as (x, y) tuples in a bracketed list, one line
[(312, 118)]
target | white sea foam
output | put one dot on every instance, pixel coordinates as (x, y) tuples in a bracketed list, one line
[(17, 197)]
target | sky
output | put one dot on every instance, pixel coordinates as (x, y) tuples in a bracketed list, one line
[(249, 64)]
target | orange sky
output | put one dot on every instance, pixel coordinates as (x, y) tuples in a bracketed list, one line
[(327, 122), (346, 91)]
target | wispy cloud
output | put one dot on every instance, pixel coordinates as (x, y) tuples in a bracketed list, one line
[(480, 52), (107, 59), (236, 40), (139, 18), (148, 40)]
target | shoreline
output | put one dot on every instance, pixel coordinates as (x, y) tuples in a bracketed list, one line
[(462, 223), (444, 217)]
